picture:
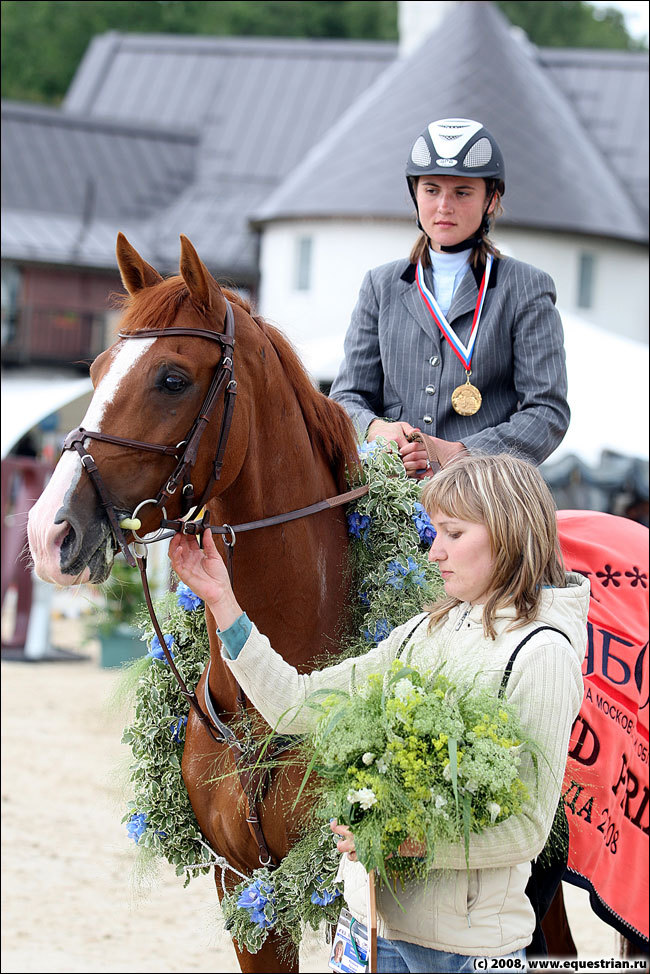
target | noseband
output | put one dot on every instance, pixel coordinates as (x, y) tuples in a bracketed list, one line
[(189, 445)]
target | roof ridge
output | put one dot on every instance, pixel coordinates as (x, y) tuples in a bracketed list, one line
[(51, 115), (264, 43)]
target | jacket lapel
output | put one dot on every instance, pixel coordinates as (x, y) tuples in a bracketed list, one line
[(465, 298), (415, 306)]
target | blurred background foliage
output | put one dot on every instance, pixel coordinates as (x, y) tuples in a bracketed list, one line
[(43, 41)]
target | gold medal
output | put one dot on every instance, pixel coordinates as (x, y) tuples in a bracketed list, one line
[(466, 399)]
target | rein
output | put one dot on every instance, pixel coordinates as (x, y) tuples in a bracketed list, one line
[(254, 781)]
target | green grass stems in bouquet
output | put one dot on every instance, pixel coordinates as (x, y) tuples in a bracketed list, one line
[(410, 755)]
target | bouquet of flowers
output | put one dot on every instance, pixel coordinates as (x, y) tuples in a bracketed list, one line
[(410, 756)]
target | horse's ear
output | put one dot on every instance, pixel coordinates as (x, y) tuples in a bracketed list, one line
[(136, 274), (198, 278)]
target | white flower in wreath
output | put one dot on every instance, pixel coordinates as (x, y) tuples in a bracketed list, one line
[(368, 758), (364, 796)]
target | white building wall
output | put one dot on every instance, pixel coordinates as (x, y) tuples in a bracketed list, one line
[(316, 318), (620, 300)]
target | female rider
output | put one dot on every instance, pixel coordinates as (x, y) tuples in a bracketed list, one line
[(458, 341), (497, 549)]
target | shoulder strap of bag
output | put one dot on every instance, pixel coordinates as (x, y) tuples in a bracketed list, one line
[(515, 653)]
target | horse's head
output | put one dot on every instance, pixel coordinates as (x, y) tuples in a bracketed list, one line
[(150, 389)]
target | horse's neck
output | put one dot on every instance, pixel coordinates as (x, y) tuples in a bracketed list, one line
[(291, 578)]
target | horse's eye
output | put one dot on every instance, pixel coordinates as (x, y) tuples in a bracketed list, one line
[(174, 382)]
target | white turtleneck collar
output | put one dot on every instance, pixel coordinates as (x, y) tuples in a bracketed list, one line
[(448, 271)]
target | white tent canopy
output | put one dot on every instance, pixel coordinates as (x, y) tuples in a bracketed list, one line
[(608, 393), (29, 396)]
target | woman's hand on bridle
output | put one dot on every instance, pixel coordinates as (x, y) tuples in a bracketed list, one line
[(204, 571), (414, 455)]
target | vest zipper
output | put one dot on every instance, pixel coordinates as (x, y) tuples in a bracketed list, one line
[(462, 618)]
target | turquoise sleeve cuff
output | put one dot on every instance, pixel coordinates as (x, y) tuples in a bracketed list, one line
[(234, 637)]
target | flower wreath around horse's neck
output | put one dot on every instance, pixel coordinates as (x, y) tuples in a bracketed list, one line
[(390, 537)]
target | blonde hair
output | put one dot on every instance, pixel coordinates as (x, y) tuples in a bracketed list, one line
[(509, 497), (420, 249)]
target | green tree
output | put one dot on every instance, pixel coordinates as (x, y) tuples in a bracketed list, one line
[(570, 23), (43, 41)]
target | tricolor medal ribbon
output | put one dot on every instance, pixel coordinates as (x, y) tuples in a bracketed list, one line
[(466, 399)]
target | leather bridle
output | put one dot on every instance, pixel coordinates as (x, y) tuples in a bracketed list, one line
[(254, 780), (223, 380)]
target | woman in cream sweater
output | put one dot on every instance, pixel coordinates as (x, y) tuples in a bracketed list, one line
[(497, 550)]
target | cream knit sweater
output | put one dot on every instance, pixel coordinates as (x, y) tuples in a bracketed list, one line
[(483, 910)]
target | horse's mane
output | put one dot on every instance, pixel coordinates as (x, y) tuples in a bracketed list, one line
[(329, 427)]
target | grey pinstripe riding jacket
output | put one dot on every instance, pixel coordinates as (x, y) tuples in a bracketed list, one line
[(398, 366)]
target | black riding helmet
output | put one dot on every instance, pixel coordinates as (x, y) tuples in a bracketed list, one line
[(458, 147)]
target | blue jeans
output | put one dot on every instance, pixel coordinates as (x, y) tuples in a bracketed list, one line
[(400, 957)]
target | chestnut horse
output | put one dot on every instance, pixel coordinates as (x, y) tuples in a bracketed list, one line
[(288, 447)]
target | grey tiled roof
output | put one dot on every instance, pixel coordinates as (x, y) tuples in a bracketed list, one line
[(609, 93), (472, 66), (258, 103), (69, 182), (256, 106)]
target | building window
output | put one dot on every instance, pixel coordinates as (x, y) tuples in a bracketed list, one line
[(303, 264), (586, 280)]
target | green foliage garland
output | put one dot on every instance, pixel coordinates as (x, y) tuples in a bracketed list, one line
[(394, 579)]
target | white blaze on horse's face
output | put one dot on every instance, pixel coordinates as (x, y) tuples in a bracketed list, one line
[(46, 537)]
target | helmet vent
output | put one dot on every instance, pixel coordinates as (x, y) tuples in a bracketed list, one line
[(479, 155), (420, 154)]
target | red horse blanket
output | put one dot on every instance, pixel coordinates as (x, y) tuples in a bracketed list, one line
[(606, 782)]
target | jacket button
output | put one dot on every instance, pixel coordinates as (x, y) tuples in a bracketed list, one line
[(428, 419), (434, 360), (430, 390)]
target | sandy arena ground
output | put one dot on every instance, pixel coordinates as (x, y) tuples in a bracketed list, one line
[(68, 903)]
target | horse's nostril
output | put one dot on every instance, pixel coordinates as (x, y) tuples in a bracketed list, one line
[(69, 548)]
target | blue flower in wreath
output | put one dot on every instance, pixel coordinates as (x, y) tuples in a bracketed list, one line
[(137, 826), (381, 631), (186, 598), (323, 897), (366, 449), (398, 574), (364, 598), (156, 650), (255, 898), (358, 525), (423, 525), (177, 728)]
